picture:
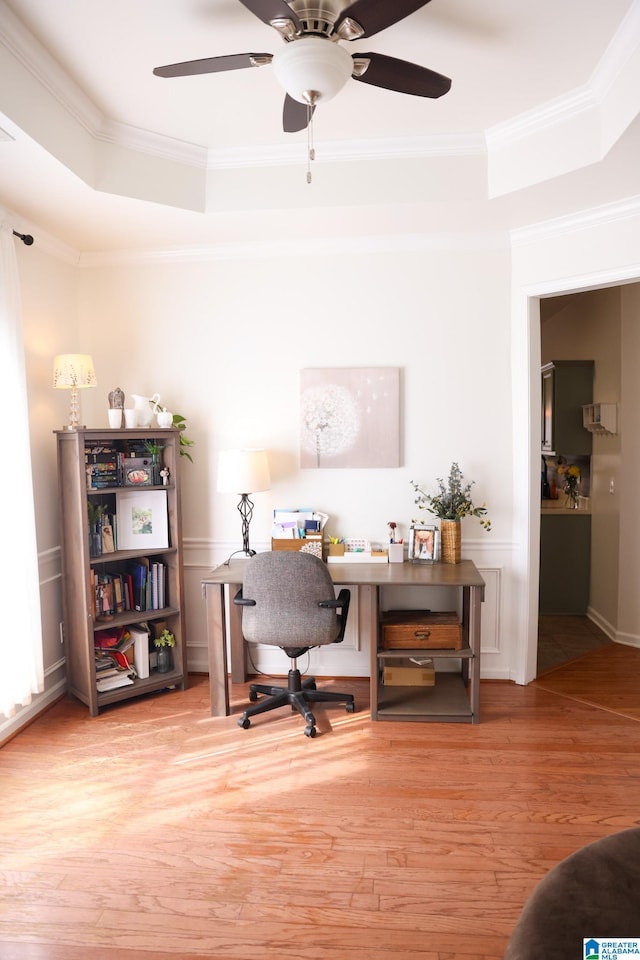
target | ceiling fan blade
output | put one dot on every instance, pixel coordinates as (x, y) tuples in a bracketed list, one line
[(375, 15), (401, 76), (191, 68), (268, 10), (295, 115)]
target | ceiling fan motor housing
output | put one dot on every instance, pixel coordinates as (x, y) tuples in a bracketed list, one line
[(312, 68)]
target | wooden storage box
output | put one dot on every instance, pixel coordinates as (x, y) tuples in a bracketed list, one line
[(406, 673), (421, 629), (312, 542)]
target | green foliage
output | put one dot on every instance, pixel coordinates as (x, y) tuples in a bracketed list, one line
[(95, 511), (180, 422), (166, 639), (453, 499)]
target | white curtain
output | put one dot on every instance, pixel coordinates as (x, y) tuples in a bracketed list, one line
[(21, 665)]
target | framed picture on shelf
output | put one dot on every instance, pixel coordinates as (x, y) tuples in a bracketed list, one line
[(422, 542), (142, 519)]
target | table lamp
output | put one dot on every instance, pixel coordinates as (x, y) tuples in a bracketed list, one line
[(243, 472), (73, 371)]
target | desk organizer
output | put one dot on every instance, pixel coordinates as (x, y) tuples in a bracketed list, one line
[(312, 543)]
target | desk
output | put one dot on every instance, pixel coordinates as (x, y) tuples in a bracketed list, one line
[(369, 578)]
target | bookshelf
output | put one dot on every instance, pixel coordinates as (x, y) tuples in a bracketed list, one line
[(97, 475)]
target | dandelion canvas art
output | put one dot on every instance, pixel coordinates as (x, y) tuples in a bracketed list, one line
[(350, 417)]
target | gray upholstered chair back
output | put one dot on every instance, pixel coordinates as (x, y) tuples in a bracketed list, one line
[(287, 587)]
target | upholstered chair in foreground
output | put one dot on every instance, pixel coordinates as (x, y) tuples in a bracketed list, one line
[(593, 894), (288, 601)]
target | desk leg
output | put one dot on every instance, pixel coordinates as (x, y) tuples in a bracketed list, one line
[(236, 640), (216, 642), (368, 617), (475, 599)]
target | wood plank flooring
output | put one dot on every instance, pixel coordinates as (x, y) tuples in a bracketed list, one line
[(155, 831)]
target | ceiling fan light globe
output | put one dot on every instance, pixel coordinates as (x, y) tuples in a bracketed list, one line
[(312, 65)]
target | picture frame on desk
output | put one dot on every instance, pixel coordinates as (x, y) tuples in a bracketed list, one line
[(142, 519), (423, 543)]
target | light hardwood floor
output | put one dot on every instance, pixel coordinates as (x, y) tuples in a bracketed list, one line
[(154, 831)]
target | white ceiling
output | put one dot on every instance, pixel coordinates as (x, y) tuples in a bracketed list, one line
[(90, 62)]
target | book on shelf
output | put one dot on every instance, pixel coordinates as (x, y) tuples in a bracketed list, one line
[(118, 593), (139, 570), (157, 585), (140, 635), (122, 679), (104, 596)]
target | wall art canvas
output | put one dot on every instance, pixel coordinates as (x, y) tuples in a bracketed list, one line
[(350, 417)]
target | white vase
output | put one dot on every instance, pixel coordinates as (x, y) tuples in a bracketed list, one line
[(164, 418)]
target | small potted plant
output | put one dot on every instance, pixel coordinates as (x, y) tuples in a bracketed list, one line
[(163, 644), (451, 503), (95, 512)]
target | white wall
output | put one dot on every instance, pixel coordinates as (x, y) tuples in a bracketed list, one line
[(594, 249), (223, 341)]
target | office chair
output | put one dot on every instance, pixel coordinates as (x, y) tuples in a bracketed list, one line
[(288, 601)]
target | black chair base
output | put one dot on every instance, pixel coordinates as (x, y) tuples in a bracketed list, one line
[(299, 694)]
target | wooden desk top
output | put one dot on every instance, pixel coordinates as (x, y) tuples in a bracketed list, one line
[(463, 574)]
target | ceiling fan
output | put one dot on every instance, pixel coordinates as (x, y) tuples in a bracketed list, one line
[(313, 66)]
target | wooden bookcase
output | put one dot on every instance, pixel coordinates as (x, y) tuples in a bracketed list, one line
[(80, 568)]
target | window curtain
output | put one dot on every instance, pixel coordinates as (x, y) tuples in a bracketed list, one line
[(21, 663)]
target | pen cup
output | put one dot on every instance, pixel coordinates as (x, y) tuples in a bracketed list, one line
[(396, 553)]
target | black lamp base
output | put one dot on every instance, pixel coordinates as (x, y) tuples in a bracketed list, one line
[(245, 508)]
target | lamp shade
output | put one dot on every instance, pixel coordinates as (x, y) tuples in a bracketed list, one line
[(312, 69), (243, 471), (73, 370)]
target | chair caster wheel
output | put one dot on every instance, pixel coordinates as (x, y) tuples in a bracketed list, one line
[(350, 707), (253, 696), (310, 731), (244, 722)]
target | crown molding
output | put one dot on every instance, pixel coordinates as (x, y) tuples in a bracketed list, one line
[(623, 46), (305, 247), (561, 226), (400, 148), (151, 144), (37, 60)]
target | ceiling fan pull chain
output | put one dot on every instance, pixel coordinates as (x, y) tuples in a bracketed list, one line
[(311, 153)]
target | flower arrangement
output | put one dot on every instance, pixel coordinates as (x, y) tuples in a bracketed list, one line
[(166, 639), (571, 475), (453, 499)]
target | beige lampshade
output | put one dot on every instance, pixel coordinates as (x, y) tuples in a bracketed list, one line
[(72, 371), (243, 471)]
